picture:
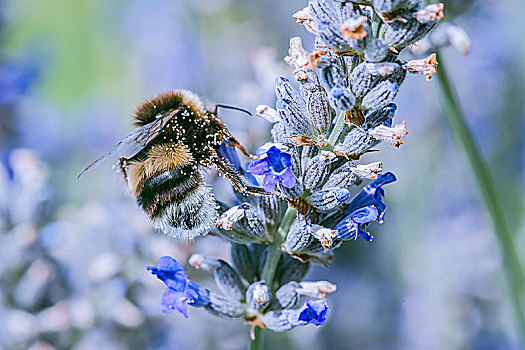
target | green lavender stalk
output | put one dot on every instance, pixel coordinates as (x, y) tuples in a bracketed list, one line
[(274, 255), (257, 342), (463, 138)]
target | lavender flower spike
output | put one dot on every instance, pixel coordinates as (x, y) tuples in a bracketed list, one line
[(181, 291), (275, 166)]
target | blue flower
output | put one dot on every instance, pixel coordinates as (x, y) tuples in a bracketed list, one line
[(275, 166), (314, 312), (181, 291), (364, 208)]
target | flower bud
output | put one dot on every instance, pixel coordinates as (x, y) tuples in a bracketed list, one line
[(376, 51), (368, 171), (258, 295), (391, 5), (307, 153), (229, 281), (316, 289), (380, 116), (288, 297), (223, 307), (324, 235), (292, 109), (383, 68), (426, 66), (348, 10), (433, 12), (402, 33), (226, 278), (329, 199), (305, 18), (317, 170), (203, 262), (390, 134), (332, 74), (380, 96), (244, 219), (343, 176), (357, 142), (322, 11), (243, 261), (267, 113), (298, 238), (450, 34), (341, 98), (290, 269), (361, 80), (319, 109), (281, 320), (271, 207), (294, 192), (299, 58)]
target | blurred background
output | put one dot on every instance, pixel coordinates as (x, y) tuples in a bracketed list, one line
[(73, 252)]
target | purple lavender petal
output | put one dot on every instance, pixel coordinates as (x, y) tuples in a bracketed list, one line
[(371, 194), (198, 295), (275, 156), (172, 300), (365, 215), (314, 312), (181, 290), (270, 181), (259, 167), (347, 229), (287, 178), (171, 272)]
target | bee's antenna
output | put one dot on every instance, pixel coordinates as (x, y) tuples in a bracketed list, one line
[(231, 107)]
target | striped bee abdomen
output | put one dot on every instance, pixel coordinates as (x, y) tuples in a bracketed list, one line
[(168, 187)]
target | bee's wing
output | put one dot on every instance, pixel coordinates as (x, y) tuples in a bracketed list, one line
[(135, 142)]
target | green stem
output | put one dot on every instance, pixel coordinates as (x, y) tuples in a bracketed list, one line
[(336, 131), (505, 237), (272, 260), (258, 341), (274, 253)]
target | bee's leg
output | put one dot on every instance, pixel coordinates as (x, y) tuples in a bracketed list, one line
[(235, 178), (123, 164), (241, 148)]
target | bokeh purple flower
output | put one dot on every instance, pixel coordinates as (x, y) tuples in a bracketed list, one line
[(275, 167), (181, 291)]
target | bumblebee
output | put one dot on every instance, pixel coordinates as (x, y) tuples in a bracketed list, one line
[(175, 135)]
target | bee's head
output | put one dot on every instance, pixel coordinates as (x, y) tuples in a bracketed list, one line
[(150, 110)]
